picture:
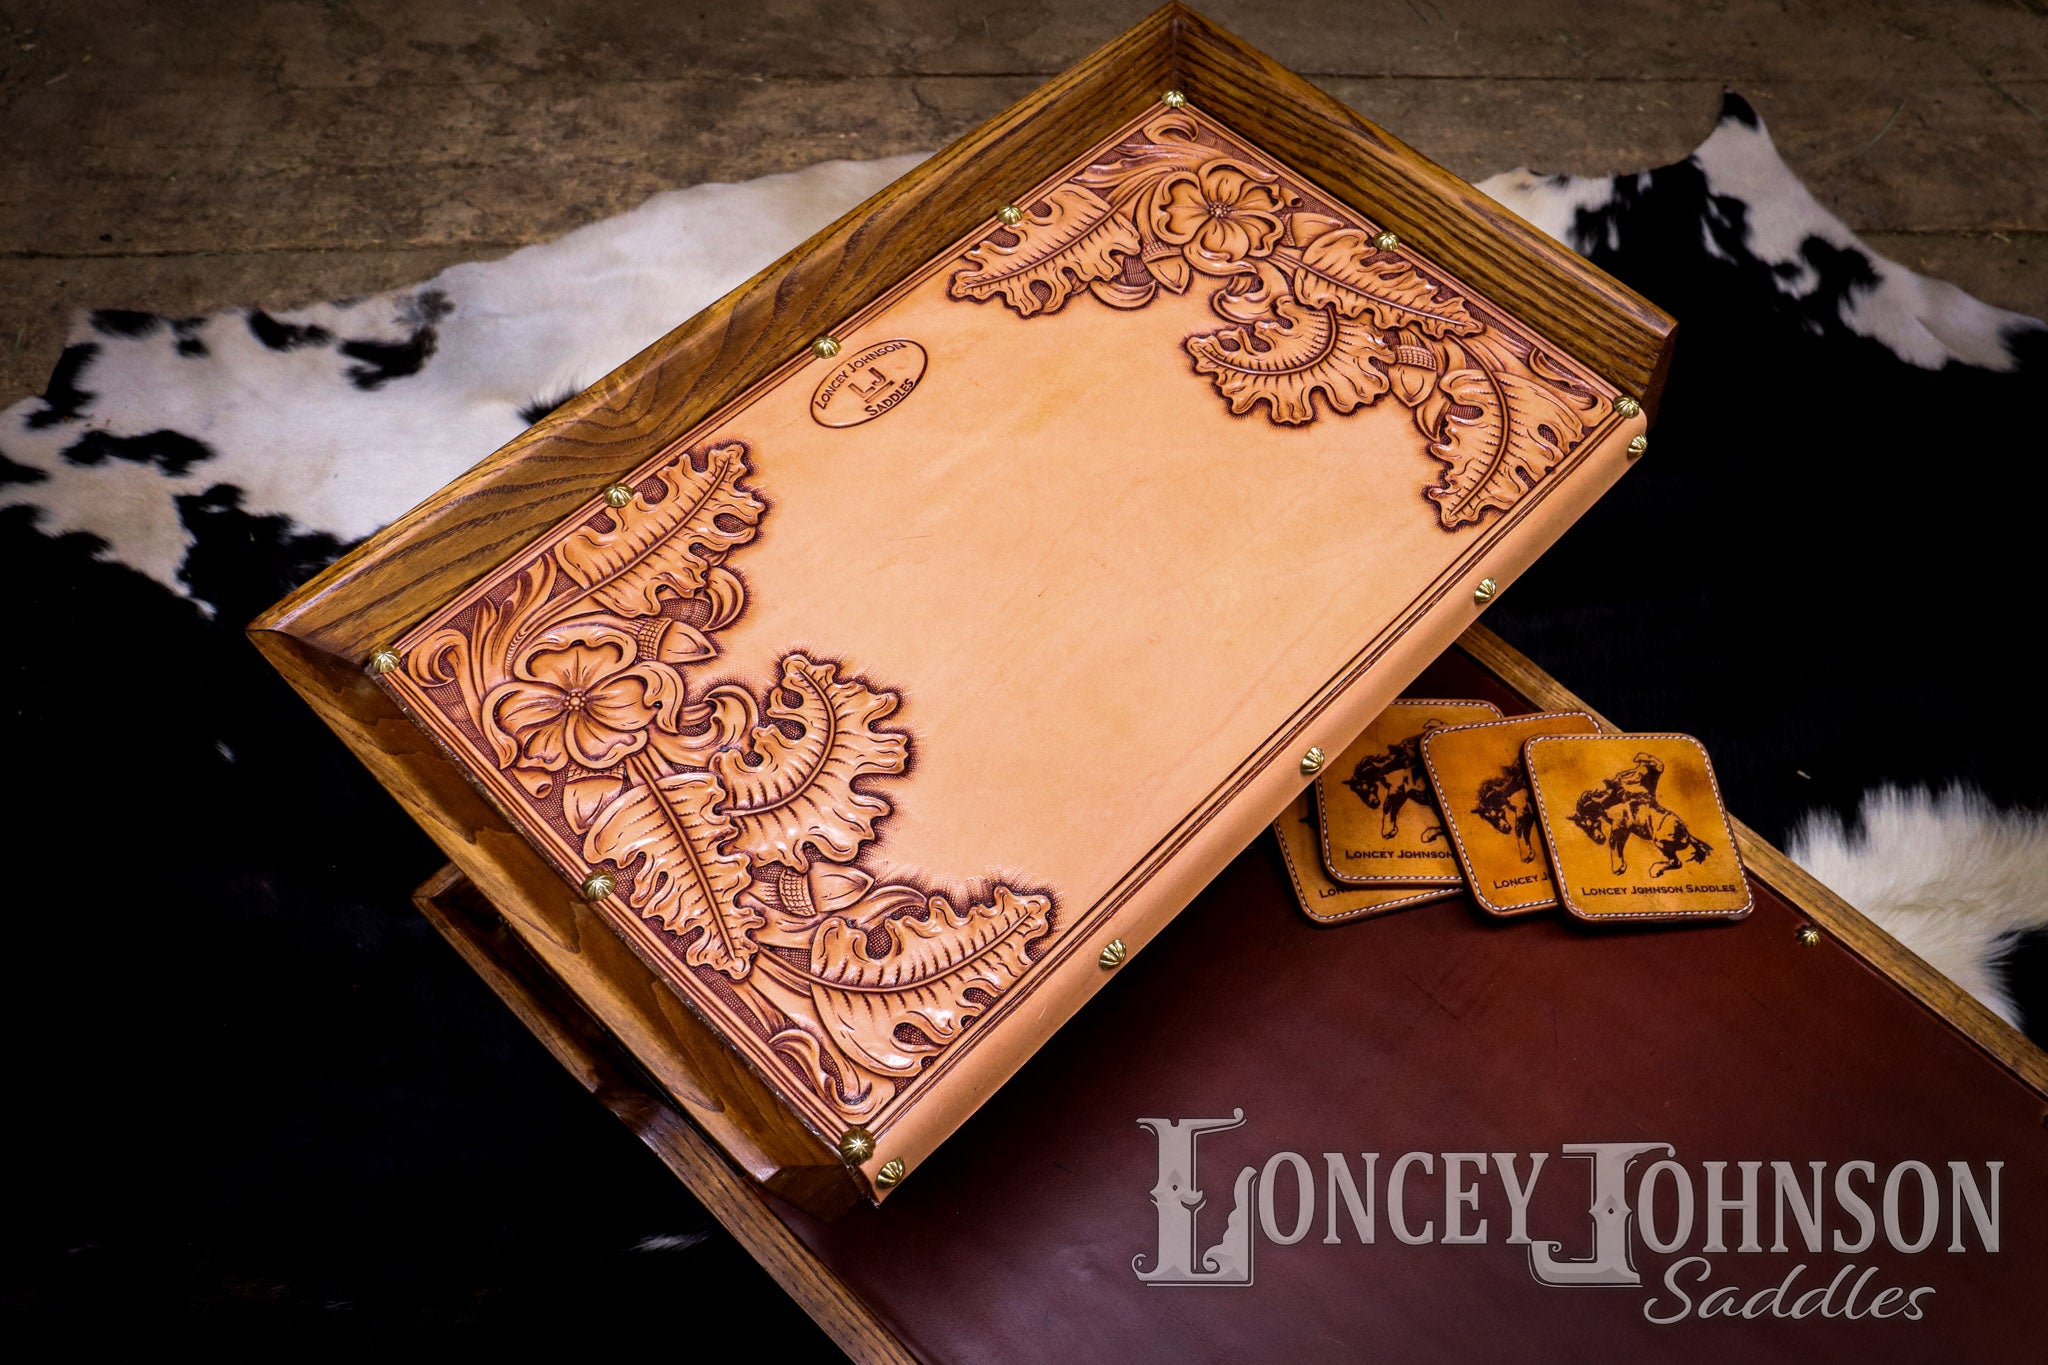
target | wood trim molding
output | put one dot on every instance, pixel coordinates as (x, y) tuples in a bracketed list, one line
[(690, 1063)]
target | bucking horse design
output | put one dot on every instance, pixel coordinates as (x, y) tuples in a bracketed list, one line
[(1393, 779), (1504, 803), (1625, 806)]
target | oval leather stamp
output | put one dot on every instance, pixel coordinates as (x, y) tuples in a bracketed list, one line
[(868, 384)]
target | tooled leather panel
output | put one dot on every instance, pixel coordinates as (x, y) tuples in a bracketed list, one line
[(835, 888), (732, 821)]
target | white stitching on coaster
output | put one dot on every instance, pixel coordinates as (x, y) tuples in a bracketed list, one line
[(1426, 893), (1557, 863)]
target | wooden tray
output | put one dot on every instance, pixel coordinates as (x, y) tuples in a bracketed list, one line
[(890, 652)]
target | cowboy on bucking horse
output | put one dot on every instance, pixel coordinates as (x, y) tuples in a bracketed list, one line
[(1626, 805)]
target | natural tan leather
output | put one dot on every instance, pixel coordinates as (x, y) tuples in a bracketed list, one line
[(1378, 816), (1482, 791), (882, 727), (1636, 827), (1326, 901)]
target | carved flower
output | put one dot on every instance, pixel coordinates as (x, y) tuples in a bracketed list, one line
[(581, 694), (1220, 215)]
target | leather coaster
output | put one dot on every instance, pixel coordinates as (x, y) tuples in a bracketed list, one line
[(1636, 827), (1482, 790), (1375, 805), (1323, 900)]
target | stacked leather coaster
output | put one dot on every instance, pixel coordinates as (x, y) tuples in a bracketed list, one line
[(1444, 797)]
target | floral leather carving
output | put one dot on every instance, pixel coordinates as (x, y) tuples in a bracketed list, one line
[(1320, 317), (733, 821), (910, 678)]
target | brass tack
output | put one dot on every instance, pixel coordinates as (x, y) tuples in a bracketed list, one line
[(1638, 446), (1312, 762), (1113, 954), (893, 1170), (1484, 593), (825, 348), (1009, 215), (1628, 407), (1809, 937), (1386, 241), (384, 661), (598, 885), (618, 495), (856, 1145), (1173, 99)]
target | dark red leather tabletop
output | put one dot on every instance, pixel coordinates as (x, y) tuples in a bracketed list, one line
[(1434, 1030)]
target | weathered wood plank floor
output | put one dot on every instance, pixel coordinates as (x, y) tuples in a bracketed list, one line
[(187, 156)]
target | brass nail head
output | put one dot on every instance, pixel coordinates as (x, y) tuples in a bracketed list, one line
[(1386, 241), (1113, 954), (1312, 762), (1628, 407), (1009, 215), (1484, 593), (1809, 937), (856, 1145), (1173, 99), (384, 661), (1638, 446), (618, 495), (598, 885), (893, 1170), (825, 348)]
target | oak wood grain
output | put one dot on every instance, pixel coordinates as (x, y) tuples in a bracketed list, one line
[(376, 593)]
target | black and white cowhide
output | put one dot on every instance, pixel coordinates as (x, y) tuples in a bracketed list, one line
[(1821, 566), (233, 1018), (251, 1084)]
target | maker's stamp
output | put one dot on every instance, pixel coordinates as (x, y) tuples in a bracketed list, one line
[(869, 383)]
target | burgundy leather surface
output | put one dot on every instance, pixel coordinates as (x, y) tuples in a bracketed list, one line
[(1437, 1030)]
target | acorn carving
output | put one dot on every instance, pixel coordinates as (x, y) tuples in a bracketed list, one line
[(1414, 369)]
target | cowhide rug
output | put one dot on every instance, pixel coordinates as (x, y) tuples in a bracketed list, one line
[(234, 1021)]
